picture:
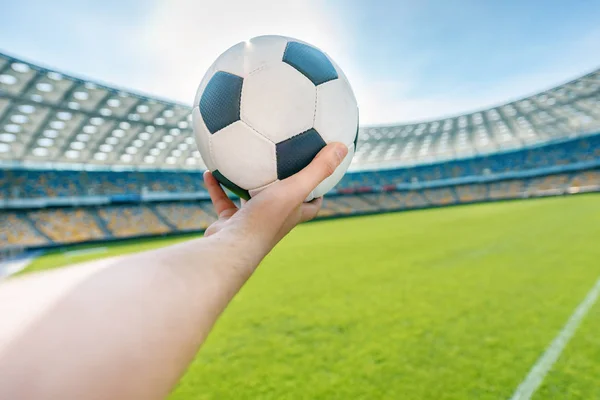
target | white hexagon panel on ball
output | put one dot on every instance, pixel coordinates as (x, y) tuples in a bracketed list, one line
[(278, 101), (243, 156), (336, 117)]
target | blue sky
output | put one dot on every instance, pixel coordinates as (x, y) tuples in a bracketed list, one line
[(407, 60)]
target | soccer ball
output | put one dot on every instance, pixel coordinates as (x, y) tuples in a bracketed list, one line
[(266, 107)]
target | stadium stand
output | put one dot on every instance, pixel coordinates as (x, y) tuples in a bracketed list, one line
[(46, 226), (67, 225), (439, 196), (355, 204), (585, 181), (548, 185), (470, 193), (15, 184), (414, 199), (509, 189), (384, 201), (51, 183), (331, 207), (186, 216), (80, 161), (132, 220), (17, 230)]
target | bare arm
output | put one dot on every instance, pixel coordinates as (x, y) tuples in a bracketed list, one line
[(128, 327)]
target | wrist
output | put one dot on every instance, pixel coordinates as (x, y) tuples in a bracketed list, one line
[(242, 249), (227, 253)]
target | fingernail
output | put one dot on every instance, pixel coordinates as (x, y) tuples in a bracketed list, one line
[(340, 152)]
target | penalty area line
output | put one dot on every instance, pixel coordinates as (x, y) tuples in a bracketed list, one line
[(540, 369)]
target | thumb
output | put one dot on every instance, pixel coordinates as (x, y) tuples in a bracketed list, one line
[(323, 165)]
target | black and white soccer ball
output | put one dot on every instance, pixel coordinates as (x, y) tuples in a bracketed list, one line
[(266, 107)]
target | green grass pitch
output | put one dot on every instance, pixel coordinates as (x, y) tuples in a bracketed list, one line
[(452, 303)]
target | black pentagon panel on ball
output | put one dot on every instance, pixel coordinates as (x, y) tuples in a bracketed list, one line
[(243, 193), (297, 152), (311, 62), (220, 102)]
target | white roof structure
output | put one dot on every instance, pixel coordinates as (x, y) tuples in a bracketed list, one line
[(49, 119)]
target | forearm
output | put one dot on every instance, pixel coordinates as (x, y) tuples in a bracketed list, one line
[(130, 329)]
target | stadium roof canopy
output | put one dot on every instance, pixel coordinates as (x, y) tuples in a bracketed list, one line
[(49, 119)]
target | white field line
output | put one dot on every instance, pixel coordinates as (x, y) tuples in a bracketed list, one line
[(537, 374)]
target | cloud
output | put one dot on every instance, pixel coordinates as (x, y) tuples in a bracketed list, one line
[(180, 39)]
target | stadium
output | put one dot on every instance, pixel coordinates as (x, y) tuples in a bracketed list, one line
[(469, 296), (84, 162)]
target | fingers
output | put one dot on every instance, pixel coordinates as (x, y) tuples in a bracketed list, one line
[(322, 166), (223, 205), (310, 210)]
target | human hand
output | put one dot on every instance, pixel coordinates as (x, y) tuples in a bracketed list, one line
[(266, 218)]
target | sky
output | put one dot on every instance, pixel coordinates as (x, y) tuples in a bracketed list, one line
[(407, 61)]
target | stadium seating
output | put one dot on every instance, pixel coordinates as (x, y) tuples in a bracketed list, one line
[(67, 225), (359, 204), (440, 196), (548, 185), (125, 221), (412, 199), (586, 181), (187, 216), (569, 152), (358, 193), (383, 200), (509, 189), (331, 207), (469, 193), (49, 183), (17, 230), (76, 224)]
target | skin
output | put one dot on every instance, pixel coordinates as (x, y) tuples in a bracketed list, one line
[(127, 327)]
